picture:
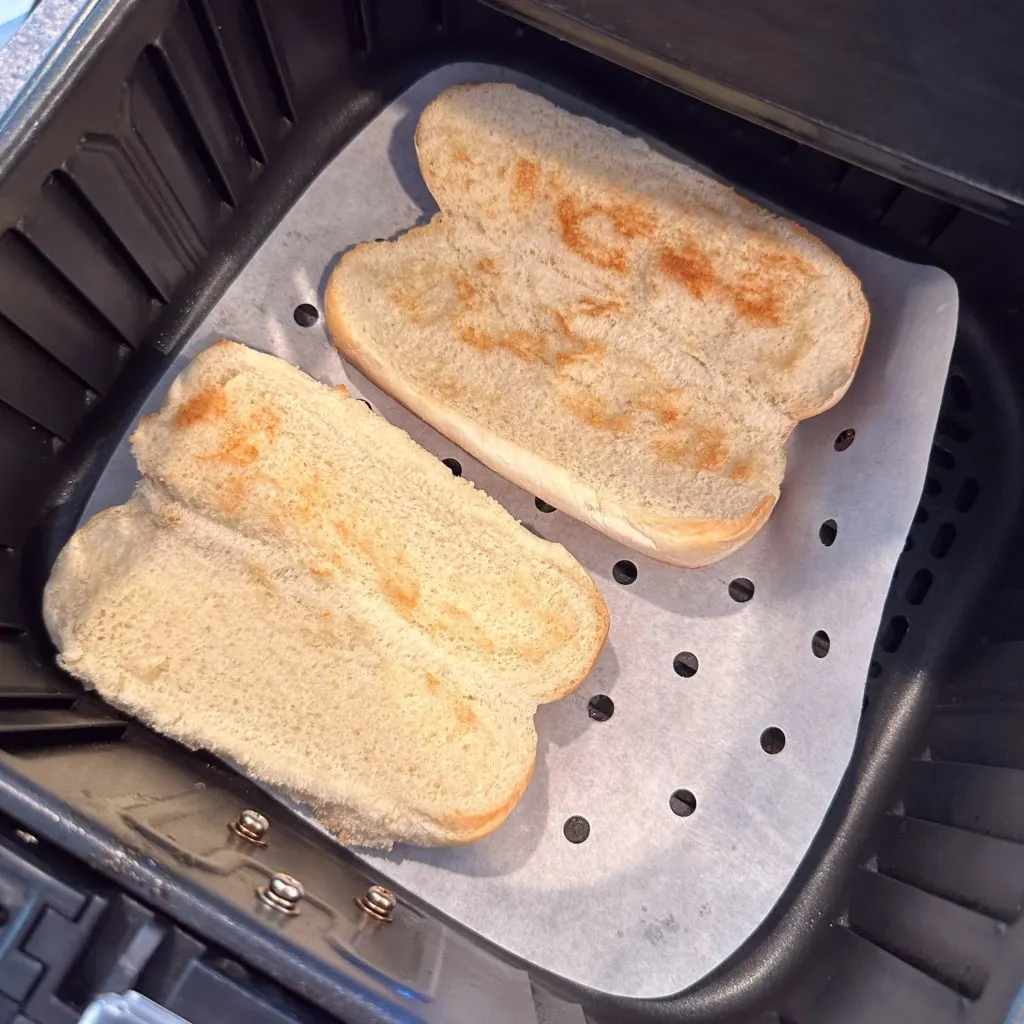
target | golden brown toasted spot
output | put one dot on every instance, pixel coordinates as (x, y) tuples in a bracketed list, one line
[(631, 220), (239, 446), (527, 178), (403, 594), (476, 337), (465, 715), (590, 409), (770, 277), (559, 624), (704, 449), (690, 267), (588, 306), (305, 498), (421, 294), (566, 360), (712, 451), (208, 404), (572, 217), (265, 420), (320, 572), (741, 471), (460, 155), (455, 623), (525, 345), (667, 404), (237, 450), (342, 389), (455, 612), (580, 348), (757, 299), (568, 331), (677, 450), (409, 303), (465, 289), (446, 387), (489, 266)]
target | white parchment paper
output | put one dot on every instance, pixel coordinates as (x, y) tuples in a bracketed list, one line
[(651, 901)]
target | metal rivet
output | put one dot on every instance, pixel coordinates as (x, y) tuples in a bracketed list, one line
[(378, 902), (283, 893), (251, 826)]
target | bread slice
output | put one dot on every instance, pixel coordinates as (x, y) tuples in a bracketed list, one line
[(607, 328), (299, 587)]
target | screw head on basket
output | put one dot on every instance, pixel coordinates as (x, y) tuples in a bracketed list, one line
[(378, 902), (283, 893), (251, 826)]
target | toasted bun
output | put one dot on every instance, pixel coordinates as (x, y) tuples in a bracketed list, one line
[(297, 586), (607, 328)]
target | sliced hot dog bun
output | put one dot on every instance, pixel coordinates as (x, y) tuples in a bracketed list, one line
[(299, 587), (607, 328)]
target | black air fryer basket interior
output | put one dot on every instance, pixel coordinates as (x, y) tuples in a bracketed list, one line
[(146, 176)]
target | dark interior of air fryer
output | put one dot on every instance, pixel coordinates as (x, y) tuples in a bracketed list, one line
[(906, 906)]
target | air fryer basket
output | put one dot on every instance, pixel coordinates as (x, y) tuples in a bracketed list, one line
[(156, 165)]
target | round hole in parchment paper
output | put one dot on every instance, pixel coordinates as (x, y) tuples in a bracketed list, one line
[(543, 506), (685, 663), (827, 532), (820, 644), (624, 572), (683, 803), (773, 739), (844, 439), (576, 829), (306, 314), (454, 465), (741, 589), (600, 707)]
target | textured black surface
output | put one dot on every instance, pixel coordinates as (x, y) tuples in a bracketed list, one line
[(145, 190), (929, 93), (67, 934)]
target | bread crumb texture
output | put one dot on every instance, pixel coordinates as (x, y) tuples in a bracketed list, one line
[(605, 326), (299, 587)]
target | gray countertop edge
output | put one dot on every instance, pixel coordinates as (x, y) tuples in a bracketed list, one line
[(29, 46), (40, 57)]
